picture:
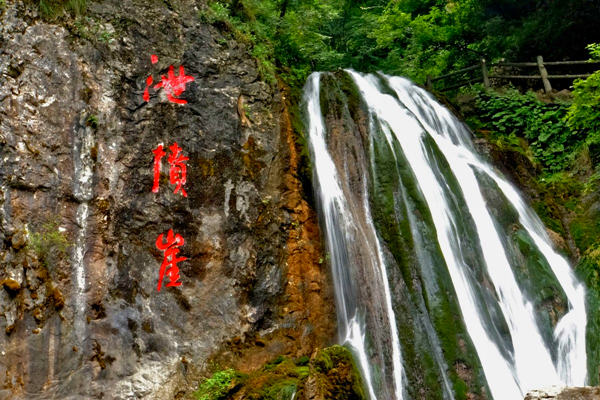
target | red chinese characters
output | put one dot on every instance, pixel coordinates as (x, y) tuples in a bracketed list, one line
[(177, 168), (170, 245), (173, 85), (158, 155), (170, 248)]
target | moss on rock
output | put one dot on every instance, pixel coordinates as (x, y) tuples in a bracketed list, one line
[(329, 374), (588, 270), (220, 385)]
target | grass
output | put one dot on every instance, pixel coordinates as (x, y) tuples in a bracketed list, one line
[(52, 9)]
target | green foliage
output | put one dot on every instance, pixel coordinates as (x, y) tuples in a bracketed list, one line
[(91, 29), (408, 37), (215, 13), (52, 9), (105, 37), (218, 386), (584, 113), (513, 115), (594, 49), (251, 22), (49, 243)]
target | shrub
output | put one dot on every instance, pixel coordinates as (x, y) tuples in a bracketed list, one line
[(49, 243), (553, 143), (584, 114)]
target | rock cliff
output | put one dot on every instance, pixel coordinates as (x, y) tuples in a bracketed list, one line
[(80, 314)]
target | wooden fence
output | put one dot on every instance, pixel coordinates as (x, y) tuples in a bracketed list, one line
[(483, 75)]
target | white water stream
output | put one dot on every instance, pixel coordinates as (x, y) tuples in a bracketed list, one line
[(338, 222), (83, 192), (570, 330)]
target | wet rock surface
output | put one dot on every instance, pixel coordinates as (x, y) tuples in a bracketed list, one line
[(584, 393), (78, 220)]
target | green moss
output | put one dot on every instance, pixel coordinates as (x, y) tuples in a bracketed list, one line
[(548, 216), (332, 370), (302, 361), (389, 210), (219, 385), (431, 379), (323, 362), (588, 270), (336, 354), (275, 362), (585, 231), (282, 389), (539, 282), (92, 121), (460, 389), (342, 357), (396, 199), (352, 94)]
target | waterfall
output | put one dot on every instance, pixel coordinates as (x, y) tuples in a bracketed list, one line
[(447, 213), (346, 225)]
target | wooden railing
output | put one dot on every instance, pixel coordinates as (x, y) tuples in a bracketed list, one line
[(483, 75)]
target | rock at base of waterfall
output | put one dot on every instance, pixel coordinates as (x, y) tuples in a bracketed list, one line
[(558, 393)]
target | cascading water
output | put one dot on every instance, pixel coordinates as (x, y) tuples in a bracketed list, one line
[(453, 268), (83, 192), (348, 224)]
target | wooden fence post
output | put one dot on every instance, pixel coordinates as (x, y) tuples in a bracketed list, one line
[(484, 73), (429, 83), (544, 74)]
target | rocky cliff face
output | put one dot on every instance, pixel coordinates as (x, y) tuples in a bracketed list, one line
[(78, 220)]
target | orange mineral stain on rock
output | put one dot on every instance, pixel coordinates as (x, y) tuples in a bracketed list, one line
[(308, 289), (306, 311)]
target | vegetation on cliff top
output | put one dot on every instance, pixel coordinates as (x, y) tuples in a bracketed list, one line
[(407, 37)]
